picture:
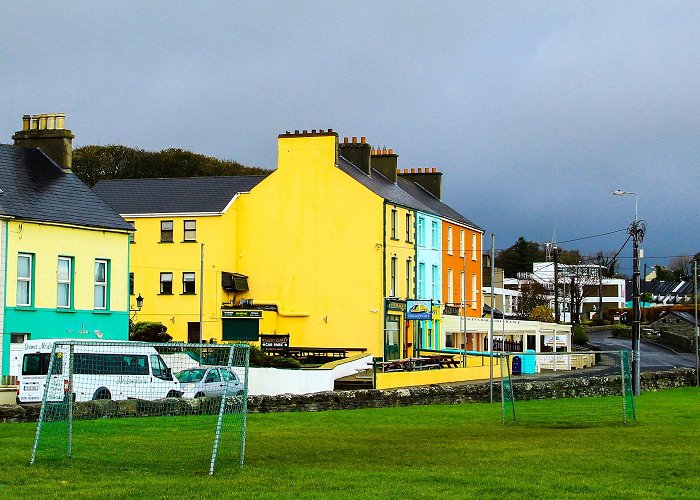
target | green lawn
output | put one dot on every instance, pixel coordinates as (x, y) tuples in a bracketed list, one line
[(426, 452)]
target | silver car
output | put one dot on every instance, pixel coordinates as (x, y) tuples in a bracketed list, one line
[(206, 381)]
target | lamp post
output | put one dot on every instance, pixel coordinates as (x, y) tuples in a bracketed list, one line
[(636, 230), (139, 305)]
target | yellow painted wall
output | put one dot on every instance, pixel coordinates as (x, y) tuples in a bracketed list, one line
[(150, 257), (48, 242), (400, 248), (474, 371), (310, 240)]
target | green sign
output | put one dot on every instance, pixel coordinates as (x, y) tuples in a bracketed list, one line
[(394, 305)]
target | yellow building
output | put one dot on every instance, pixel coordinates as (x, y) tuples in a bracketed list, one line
[(63, 251), (182, 226)]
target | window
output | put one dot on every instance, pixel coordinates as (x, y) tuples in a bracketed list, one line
[(101, 277), (131, 233), (166, 283), (461, 243), (473, 246), (450, 340), (190, 230), (435, 284), (450, 287), (131, 283), (409, 272), (421, 280), (64, 277), (449, 240), (188, 283), (166, 231), (159, 368), (462, 294), (392, 291), (434, 234), (24, 279), (212, 376), (393, 224), (409, 227), (474, 292), (421, 231)]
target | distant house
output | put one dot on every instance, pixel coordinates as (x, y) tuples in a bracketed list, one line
[(63, 251), (675, 328)]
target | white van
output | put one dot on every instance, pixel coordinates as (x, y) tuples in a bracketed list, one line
[(102, 369)]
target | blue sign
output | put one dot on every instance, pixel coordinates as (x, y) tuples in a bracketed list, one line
[(419, 309)]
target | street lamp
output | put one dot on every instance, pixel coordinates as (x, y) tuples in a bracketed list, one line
[(139, 305), (636, 230)]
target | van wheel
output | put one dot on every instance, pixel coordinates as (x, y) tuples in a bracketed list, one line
[(199, 395), (173, 394), (102, 393)]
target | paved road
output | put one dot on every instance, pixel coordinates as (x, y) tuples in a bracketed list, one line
[(653, 356)]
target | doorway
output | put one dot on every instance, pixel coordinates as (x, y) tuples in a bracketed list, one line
[(193, 336)]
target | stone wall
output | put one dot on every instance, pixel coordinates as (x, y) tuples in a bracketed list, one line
[(350, 400)]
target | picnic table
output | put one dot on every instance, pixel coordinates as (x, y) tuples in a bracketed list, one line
[(417, 363)]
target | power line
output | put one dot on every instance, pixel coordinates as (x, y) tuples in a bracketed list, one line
[(593, 236)]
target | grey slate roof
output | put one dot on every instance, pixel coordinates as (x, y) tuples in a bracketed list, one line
[(174, 195), (685, 316), (404, 193), (35, 188)]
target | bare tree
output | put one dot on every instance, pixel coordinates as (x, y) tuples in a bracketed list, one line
[(682, 267)]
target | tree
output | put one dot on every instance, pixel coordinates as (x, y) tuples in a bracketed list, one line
[(149, 331), (542, 313), (582, 282), (519, 257), (532, 295), (663, 274), (682, 267), (95, 163), (608, 261)]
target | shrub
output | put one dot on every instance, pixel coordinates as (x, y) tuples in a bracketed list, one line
[(620, 330), (542, 313), (597, 322), (149, 331), (261, 360), (579, 335)]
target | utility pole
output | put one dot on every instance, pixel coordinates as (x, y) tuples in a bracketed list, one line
[(600, 289), (493, 277), (697, 329), (556, 283), (636, 230)]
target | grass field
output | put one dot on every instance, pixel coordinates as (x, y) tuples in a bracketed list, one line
[(456, 451)]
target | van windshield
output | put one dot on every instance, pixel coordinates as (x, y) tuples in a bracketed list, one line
[(38, 364)]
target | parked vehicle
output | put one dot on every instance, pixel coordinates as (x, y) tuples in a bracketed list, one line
[(209, 381), (100, 371)]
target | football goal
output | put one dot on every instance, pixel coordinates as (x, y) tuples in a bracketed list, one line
[(567, 389), (183, 405)]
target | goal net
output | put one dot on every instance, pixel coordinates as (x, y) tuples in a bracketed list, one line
[(137, 405), (567, 389)]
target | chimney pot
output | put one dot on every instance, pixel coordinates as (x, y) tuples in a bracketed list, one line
[(391, 151), (60, 121), (330, 130), (413, 170), (363, 140), (296, 132), (42, 121), (51, 121), (345, 140), (305, 131), (26, 122), (434, 170), (354, 140), (313, 130), (35, 122)]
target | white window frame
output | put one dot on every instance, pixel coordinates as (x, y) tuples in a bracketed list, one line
[(67, 282), (102, 284), (25, 279), (449, 240), (475, 292), (409, 269), (421, 280), (394, 222), (462, 250), (192, 230), (421, 231), (462, 291), (193, 281), (473, 246), (392, 281), (409, 228), (163, 230), (434, 236), (435, 279), (166, 281), (450, 286)]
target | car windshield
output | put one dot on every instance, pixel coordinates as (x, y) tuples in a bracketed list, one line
[(186, 376)]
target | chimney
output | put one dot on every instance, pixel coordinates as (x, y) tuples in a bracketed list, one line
[(427, 178), (357, 153), (385, 162), (47, 133)]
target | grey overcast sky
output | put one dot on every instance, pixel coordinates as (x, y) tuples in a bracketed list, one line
[(534, 111)]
